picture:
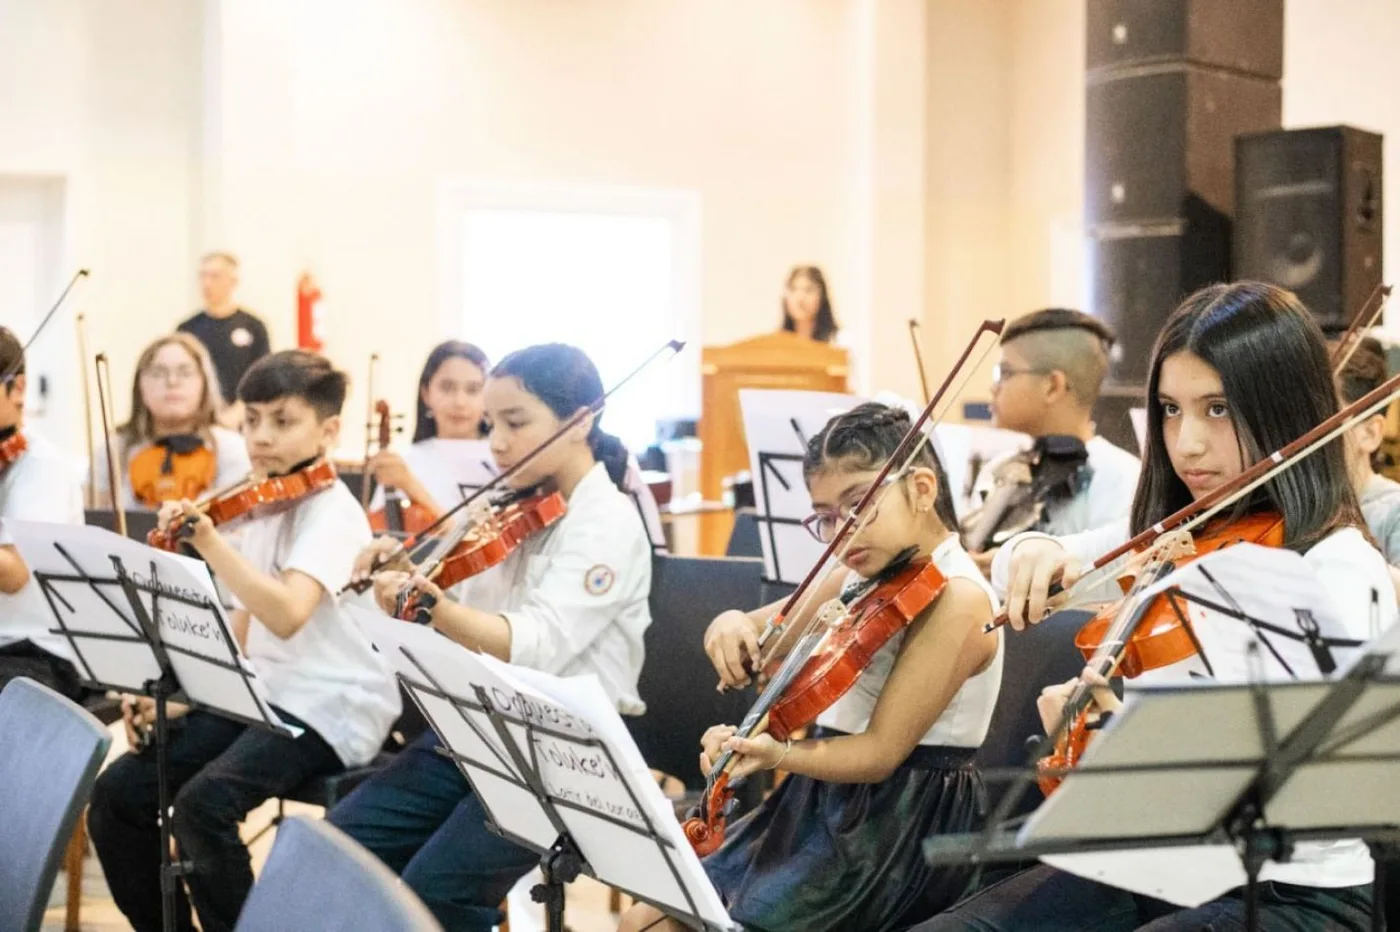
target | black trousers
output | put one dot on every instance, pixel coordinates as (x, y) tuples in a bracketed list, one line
[(219, 770), (23, 658)]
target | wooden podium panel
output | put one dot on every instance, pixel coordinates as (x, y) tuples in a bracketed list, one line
[(778, 360)]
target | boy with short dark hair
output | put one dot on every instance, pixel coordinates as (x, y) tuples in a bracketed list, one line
[(322, 675)]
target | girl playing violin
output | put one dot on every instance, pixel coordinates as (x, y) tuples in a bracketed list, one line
[(36, 484), (322, 674), (450, 408), (1238, 371), (837, 845), (173, 447), (570, 599)]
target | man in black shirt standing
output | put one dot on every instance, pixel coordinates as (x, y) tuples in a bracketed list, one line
[(234, 337)]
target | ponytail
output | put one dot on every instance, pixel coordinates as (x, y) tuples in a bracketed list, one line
[(565, 379), (612, 453)]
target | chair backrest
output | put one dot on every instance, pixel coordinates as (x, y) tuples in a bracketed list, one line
[(138, 523), (1035, 658), (317, 877), (678, 681), (50, 750), (743, 539)]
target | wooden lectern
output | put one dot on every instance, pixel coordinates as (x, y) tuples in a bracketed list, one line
[(779, 360)]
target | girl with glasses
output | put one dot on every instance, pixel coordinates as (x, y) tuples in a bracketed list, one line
[(172, 445), (837, 845)]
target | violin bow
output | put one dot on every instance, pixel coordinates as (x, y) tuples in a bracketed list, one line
[(9, 373), (672, 346), (1227, 494), (1365, 319), (90, 495), (369, 427), (103, 375), (915, 329)]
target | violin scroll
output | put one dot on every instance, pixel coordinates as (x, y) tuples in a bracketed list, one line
[(705, 826)]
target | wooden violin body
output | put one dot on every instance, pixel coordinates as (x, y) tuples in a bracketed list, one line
[(397, 517), (12, 448), (172, 469), (1162, 636), (795, 699), (246, 496), (489, 541)]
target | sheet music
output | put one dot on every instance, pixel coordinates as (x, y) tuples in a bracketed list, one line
[(596, 788), (106, 633)]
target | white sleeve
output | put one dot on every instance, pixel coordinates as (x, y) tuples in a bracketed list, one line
[(1350, 569), (594, 576), (331, 531), (47, 491), (1111, 491), (1086, 545)]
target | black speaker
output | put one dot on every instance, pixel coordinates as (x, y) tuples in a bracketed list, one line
[(1140, 278), (1159, 137), (1236, 35), (1309, 216)]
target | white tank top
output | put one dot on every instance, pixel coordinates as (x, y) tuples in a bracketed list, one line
[(964, 722)]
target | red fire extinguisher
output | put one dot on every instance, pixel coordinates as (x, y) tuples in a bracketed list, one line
[(308, 316)]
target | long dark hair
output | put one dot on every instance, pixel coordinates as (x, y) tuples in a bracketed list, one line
[(1273, 364), (864, 438), (424, 426), (565, 379), (825, 327)]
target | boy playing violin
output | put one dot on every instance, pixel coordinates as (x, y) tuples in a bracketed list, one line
[(321, 672), (36, 484)]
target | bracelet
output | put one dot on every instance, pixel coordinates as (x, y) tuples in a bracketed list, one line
[(778, 763)]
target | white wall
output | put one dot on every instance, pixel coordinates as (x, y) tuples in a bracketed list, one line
[(102, 96)]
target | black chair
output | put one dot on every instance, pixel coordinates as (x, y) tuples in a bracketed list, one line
[(318, 878), (52, 750), (743, 539), (678, 681), (1037, 657), (138, 523)]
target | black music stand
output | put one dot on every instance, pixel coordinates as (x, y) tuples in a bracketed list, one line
[(141, 621), (1263, 777), (550, 781)]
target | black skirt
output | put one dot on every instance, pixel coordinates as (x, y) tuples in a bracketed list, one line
[(821, 856)]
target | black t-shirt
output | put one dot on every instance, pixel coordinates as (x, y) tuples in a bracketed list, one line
[(234, 342)]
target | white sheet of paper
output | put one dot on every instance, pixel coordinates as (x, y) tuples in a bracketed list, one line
[(579, 777), (779, 423), (1187, 876), (197, 636)]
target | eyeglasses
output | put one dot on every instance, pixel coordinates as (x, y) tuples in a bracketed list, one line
[(178, 374), (823, 525), (1000, 372)]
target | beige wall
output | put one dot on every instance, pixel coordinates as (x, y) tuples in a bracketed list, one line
[(927, 153)]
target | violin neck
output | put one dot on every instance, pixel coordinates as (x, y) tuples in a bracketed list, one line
[(393, 510)]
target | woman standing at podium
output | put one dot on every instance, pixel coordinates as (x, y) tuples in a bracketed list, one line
[(807, 305)]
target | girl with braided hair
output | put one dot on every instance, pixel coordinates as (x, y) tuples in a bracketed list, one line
[(837, 845)]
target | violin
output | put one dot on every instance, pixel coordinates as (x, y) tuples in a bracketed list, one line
[(12, 447), (839, 640), (484, 540), (1132, 640), (1054, 469), (252, 493), (172, 468), (396, 517), (878, 610)]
